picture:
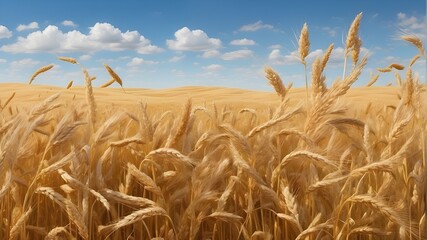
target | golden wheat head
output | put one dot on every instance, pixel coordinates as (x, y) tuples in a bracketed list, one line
[(39, 71)]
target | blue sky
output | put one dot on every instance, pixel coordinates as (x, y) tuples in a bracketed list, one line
[(162, 44)]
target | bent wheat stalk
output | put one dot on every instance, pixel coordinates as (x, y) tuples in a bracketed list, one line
[(39, 71)]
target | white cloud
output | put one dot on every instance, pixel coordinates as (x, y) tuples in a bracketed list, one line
[(212, 67), (4, 32), (136, 61), (412, 25), (255, 27), (69, 23), (3, 60), (30, 26), (331, 31), (337, 56), (193, 40), (176, 58), (101, 37), (239, 54), (243, 42), (410, 22), (85, 57), (277, 58), (24, 63), (275, 46), (211, 54), (178, 73)]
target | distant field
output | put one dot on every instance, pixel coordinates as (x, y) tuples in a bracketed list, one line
[(170, 98)]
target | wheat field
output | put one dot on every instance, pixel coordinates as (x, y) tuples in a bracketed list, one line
[(321, 162)]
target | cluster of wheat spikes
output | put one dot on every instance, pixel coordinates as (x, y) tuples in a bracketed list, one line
[(309, 171)]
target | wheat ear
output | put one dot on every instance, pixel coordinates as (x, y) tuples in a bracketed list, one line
[(68, 59), (39, 71)]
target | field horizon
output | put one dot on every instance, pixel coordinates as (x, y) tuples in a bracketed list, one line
[(199, 94)]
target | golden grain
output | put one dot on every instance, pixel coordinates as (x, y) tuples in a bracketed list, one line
[(326, 56), (356, 51), (106, 84), (68, 59), (70, 83), (304, 43), (416, 41), (8, 100), (396, 66), (353, 32), (374, 78), (113, 74), (39, 71), (275, 81), (384, 70)]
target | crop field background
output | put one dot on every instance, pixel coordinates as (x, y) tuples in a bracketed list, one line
[(322, 162)]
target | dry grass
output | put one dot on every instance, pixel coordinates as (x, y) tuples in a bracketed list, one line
[(320, 168)]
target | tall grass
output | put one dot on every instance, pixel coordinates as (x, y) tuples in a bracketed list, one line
[(310, 171)]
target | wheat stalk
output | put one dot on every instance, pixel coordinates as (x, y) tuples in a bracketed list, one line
[(416, 41), (20, 223), (70, 83), (39, 71), (326, 56), (90, 99), (8, 100), (352, 37), (396, 66), (303, 49), (353, 32), (356, 51), (373, 80), (58, 231), (275, 81), (68, 59), (131, 219), (304, 43), (113, 75), (106, 84)]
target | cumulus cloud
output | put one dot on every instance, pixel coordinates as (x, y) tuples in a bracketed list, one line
[(211, 54), (101, 37), (239, 54), (136, 61), (193, 40), (412, 25), (275, 46), (255, 27), (412, 22), (178, 73), (30, 26), (243, 42), (337, 56), (85, 57), (277, 58), (176, 58), (69, 23), (4, 32), (212, 67), (24, 63), (331, 31), (3, 60)]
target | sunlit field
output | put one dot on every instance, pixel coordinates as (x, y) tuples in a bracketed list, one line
[(319, 162)]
